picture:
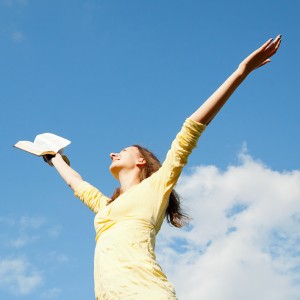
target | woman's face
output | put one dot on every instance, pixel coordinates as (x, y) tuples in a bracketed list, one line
[(128, 159)]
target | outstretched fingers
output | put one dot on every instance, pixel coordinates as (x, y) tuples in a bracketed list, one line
[(272, 47), (277, 42), (266, 45), (261, 56), (269, 49)]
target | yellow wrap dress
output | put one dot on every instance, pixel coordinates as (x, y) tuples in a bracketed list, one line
[(125, 266)]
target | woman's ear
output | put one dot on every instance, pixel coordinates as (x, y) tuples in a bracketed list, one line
[(141, 162)]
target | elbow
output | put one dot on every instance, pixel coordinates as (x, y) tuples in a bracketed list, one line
[(69, 180), (69, 183)]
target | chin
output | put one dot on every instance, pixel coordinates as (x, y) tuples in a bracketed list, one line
[(114, 172)]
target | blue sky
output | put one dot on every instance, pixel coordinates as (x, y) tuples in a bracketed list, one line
[(108, 74)]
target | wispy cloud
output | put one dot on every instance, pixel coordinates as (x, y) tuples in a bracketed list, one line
[(244, 241), (18, 36), (18, 276), (17, 273), (52, 293), (20, 231), (10, 3), (54, 231), (32, 222), (25, 230), (8, 220), (55, 257), (7, 2), (22, 241)]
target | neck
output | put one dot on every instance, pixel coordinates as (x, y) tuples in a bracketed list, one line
[(128, 180)]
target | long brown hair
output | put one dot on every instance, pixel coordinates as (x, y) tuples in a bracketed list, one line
[(174, 213)]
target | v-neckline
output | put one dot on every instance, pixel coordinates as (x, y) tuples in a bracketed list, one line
[(131, 188)]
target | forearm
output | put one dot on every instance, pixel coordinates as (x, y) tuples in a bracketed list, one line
[(70, 176), (255, 60), (208, 110)]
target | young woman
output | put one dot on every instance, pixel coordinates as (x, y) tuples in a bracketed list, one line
[(127, 224)]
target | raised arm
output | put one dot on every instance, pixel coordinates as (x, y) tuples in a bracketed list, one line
[(88, 194), (70, 176), (208, 110)]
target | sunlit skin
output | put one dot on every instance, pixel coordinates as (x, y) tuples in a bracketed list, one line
[(126, 166)]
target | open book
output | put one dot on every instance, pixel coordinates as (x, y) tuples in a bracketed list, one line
[(45, 143)]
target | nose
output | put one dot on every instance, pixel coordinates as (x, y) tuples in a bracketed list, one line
[(113, 155)]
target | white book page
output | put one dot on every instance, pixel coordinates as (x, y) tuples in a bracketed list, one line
[(30, 147), (51, 142)]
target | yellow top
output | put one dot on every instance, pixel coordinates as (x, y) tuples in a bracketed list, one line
[(125, 266)]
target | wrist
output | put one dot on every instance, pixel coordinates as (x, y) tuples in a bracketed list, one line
[(56, 157), (242, 71)]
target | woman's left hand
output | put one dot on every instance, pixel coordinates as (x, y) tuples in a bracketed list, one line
[(261, 56), (48, 159)]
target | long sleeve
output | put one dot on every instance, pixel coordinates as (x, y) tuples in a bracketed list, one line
[(177, 157), (126, 230), (91, 196)]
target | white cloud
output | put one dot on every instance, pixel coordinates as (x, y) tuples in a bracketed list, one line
[(18, 277), (54, 231), (23, 222), (56, 257), (25, 228), (22, 241), (18, 36), (244, 242), (7, 2), (52, 293), (8, 221), (32, 222), (10, 3)]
